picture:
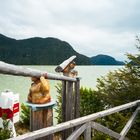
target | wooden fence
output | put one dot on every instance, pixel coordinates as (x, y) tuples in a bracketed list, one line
[(70, 87), (70, 109), (85, 124)]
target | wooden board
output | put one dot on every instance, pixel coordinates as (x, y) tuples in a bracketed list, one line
[(28, 72)]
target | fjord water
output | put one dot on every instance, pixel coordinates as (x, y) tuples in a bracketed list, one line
[(21, 85)]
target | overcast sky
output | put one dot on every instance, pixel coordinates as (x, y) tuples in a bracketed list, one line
[(91, 26)]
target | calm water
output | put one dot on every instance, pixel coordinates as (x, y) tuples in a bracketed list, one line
[(21, 85)]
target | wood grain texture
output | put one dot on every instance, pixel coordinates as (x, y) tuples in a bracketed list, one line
[(28, 72), (77, 98)]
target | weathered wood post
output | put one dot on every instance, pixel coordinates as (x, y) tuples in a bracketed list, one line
[(70, 93), (70, 103), (41, 116), (77, 98)]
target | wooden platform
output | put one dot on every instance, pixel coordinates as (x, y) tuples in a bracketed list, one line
[(36, 107)]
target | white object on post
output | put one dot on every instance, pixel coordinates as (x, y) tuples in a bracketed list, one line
[(9, 105)]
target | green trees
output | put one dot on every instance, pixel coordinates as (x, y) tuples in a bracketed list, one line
[(120, 87), (123, 85), (116, 88)]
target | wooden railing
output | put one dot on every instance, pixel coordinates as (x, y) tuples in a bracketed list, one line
[(70, 87), (85, 124), (70, 108), (11, 69)]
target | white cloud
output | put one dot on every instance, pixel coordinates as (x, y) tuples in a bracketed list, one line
[(90, 26)]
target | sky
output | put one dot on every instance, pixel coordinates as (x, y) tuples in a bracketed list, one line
[(91, 27)]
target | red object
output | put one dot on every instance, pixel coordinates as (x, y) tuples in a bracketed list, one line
[(9, 113), (0, 111), (16, 108)]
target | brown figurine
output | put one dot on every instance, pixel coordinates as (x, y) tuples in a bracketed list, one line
[(70, 71), (40, 91)]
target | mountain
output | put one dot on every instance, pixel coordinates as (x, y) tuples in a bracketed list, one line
[(105, 60), (45, 51), (38, 51)]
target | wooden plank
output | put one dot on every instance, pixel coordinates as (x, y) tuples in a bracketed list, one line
[(31, 120), (63, 101), (105, 130), (41, 119), (77, 132), (27, 72), (77, 98), (129, 124), (47, 121), (75, 122), (46, 113), (49, 115), (73, 102), (36, 120), (87, 133), (63, 65), (63, 107), (68, 106), (69, 101)]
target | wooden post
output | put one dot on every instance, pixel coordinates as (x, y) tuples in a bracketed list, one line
[(70, 103), (77, 98), (67, 105), (87, 133), (64, 83), (70, 93), (41, 116), (63, 101)]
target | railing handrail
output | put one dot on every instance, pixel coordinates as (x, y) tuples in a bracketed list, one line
[(69, 124), (12, 69)]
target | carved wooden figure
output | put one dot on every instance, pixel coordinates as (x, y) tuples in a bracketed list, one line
[(70, 71), (39, 92), (67, 67)]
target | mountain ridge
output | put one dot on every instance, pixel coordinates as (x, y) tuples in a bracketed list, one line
[(102, 59), (39, 51)]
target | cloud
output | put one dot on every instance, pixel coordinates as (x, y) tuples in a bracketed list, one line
[(91, 26)]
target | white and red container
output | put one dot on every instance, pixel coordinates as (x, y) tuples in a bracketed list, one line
[(9, 107)]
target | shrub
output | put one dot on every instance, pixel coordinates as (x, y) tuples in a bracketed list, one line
[(89, 102), (58, 109), (5, 132), (25, 115)]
